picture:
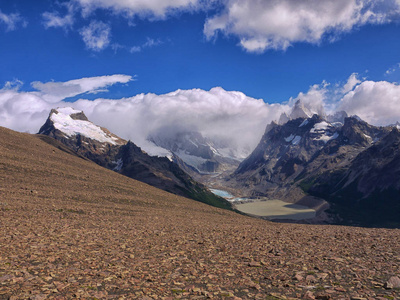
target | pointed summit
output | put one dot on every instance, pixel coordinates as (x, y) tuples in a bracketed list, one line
[(283, 119), (300, 111)]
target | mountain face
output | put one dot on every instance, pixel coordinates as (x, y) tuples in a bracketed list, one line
[(367, 191), (73, 129), (284, 152), (200, 155), (352, 165)]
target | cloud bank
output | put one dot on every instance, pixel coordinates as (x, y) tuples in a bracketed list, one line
[(215, 113)]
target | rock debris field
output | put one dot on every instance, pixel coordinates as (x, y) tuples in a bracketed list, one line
[(71, 229)]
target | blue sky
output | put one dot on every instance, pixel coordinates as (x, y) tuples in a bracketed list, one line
[(277, 51), (175, 53)]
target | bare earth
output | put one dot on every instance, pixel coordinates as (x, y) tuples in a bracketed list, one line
[(70, 229)]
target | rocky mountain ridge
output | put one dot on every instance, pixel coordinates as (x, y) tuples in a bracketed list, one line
[(73, 129), (343, 163), (367, 191)]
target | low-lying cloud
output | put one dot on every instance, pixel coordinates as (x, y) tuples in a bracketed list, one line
[(218, 113), (214, 113)]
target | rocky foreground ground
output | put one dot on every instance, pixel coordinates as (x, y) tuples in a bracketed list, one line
[(70, 229)]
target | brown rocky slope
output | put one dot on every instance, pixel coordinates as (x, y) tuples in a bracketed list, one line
[(72, 229)]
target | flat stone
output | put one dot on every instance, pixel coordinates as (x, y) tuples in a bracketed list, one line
[(254, 264), (298, 277), (393, 283), (309, 295)]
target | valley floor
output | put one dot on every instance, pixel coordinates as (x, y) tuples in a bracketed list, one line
[(59, 250), (70, 229), (276, 210)]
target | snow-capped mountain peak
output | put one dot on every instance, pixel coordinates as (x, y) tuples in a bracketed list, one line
[(71, 122)]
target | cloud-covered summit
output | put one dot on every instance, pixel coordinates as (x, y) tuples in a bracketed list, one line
[(216, 113), (213, 113)]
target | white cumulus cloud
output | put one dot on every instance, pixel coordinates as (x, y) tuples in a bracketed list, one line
[(273, 24), (96, 36), (22, 111), (377, 103)]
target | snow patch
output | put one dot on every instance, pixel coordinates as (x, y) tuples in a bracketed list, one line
[(326, 138), (119, 163), (153, 150), (337, 124), (289, 138), (62, 121), (304, 123), (318, 127), (296, 140)]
